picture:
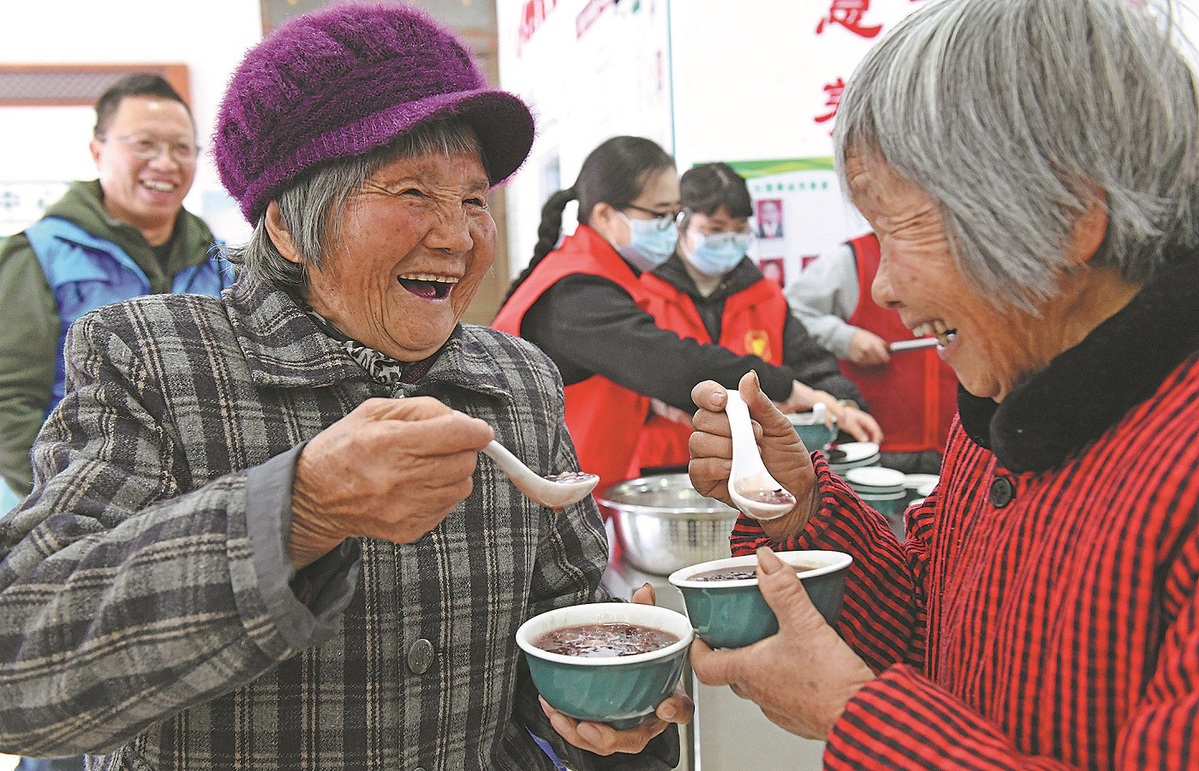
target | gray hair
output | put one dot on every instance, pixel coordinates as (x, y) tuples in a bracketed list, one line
[(311, 208), (1016, 115)]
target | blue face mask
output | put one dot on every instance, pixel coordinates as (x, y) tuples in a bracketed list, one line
[(717, 253), (650, 245)]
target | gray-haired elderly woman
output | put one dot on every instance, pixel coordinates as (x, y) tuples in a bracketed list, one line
[(260, 536), (1031, 169)]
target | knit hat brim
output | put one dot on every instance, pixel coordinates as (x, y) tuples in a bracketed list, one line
[(501, 121), (341, 81)]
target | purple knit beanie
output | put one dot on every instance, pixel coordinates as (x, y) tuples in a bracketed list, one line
[(340, 81)]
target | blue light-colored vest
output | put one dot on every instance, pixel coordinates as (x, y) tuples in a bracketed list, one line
[(86, 272)]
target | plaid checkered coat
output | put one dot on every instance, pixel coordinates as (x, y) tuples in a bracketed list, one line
[(132, 620)]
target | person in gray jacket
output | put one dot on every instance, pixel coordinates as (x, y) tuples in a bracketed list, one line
[(260, 536)]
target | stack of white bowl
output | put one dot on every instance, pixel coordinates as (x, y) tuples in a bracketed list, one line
[(850, 455), (919, 486), (882, 488)]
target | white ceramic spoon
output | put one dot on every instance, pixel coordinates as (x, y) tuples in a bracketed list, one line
[(751, 487), (552, 492)]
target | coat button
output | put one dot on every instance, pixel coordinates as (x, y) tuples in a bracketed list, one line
[(420, 656), (1002, 492)]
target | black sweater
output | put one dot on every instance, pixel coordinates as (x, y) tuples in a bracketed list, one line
[(589, 325)]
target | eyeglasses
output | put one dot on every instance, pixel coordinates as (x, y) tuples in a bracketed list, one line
[(662, 220), (147, 148)]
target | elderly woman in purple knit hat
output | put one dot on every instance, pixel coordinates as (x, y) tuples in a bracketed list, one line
[(260, 536)]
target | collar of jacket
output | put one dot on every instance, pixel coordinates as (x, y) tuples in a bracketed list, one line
[(743, 274), (286, 349), (1088, 388), (83, 204)]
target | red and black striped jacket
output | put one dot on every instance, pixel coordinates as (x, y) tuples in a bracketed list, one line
[(1042, 612)]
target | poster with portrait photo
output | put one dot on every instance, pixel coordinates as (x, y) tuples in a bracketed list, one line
[(806, 194), (774, 269), (768, 213)]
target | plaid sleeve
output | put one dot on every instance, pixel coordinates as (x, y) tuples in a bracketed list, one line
[(307, 605), (121, 600)]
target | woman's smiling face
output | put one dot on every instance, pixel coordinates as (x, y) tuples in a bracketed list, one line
[(415, 243), (989, 349)]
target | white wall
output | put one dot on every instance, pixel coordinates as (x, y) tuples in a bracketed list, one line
[(612, 78), (43, 144), (749, 76), (754, 84), (747, 81), (744, 81)]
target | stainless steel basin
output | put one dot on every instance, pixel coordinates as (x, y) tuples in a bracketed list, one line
[(664, 524)]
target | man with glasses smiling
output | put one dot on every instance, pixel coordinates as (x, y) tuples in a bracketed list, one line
[(122, 235)]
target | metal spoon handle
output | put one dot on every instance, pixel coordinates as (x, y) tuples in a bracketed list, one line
[(911, 345)]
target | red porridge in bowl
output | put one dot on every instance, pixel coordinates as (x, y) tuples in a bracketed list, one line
[(605, 639), (741, 573)]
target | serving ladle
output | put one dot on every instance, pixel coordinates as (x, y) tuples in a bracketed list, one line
[(751, 487), (554, 492)]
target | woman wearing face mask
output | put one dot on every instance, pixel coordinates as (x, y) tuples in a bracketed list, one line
[(709, 291), (583, 304)]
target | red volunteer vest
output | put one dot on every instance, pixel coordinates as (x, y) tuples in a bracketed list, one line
[(914, 398), (752, 323), (604, 419)]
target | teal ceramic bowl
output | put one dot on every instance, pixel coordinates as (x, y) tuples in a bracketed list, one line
[(619, 690), (733, 614), (815, 435), (888, 504)]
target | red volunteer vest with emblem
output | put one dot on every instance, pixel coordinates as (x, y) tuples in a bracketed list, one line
[(914, 398), (752, 323), (604, 419)]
